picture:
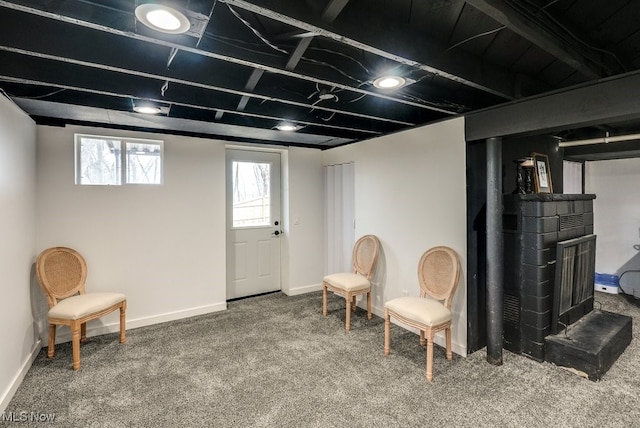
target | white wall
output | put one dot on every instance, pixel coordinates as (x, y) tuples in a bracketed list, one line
[(616, 211), (303, 221), (17, 247), (411, 192), (163, 246)]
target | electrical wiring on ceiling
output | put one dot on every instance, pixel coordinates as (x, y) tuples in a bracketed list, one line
[(533, 15), (486, 33), (256, 32)]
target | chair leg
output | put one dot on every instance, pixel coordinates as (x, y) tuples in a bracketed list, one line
[(429, 356), (83, 332), (369, 305), (51, 347), (421, 337), (347, 324), (75, 343), (448, 336), (387, 322), (353, 304), (123, 334), (324, 300)]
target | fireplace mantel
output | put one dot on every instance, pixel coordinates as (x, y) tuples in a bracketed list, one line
[(550, 197)]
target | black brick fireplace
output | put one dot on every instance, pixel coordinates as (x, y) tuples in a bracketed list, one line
[(533, 226), (549, 269)]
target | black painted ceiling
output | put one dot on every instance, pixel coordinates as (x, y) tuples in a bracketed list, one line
[(247, 65)]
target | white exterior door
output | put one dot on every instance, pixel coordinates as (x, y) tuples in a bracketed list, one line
[(254, 226)]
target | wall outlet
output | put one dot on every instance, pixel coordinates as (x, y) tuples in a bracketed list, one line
[(405, 292)]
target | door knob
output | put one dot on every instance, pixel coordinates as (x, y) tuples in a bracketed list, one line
[(276, 233)]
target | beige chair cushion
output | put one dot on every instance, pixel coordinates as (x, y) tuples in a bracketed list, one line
[(348, 281), (76, 307), (426, 311)]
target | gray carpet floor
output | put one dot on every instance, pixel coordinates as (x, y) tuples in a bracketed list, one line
[(275, 361)]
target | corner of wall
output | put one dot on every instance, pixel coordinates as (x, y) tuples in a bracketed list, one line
[(18, 245), (303, 289), (11, 389)]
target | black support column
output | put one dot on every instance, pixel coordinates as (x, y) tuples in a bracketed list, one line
[(495, 256)]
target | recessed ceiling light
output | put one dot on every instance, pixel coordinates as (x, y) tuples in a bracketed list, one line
[(389, 82), (287, 126), (162, 18), (146, 109)]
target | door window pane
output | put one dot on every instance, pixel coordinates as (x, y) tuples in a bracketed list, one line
[(251, 194)]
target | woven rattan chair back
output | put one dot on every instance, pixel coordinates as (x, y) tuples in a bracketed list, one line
[(352, 284), (438, 274), (365, 255), (62, 272)]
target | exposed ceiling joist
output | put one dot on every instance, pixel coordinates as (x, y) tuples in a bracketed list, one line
[(330, 13), (545, 34), (165, 78), (473, 75), (297, 53), (333, 9), (325, 125), (254, 64), (172, 125), (612, 99), (217, 56), (256, 74)]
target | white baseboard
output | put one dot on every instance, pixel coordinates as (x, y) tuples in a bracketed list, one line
[(64, 334), (17, 380), (176, 315), (304, 289)]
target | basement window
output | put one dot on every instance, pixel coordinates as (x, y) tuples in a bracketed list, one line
[(112, 161)]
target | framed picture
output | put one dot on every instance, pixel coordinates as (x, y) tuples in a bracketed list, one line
[(542, 173)]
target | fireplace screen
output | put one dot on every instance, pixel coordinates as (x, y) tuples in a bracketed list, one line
[(573, 290)]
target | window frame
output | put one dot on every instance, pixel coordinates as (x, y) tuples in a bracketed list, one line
[(124, 164)]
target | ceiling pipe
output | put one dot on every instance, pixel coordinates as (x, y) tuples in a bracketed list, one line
[(600, 140)]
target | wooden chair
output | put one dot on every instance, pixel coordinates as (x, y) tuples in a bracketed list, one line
[(62, 273), (351, 284), (438, 274)]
